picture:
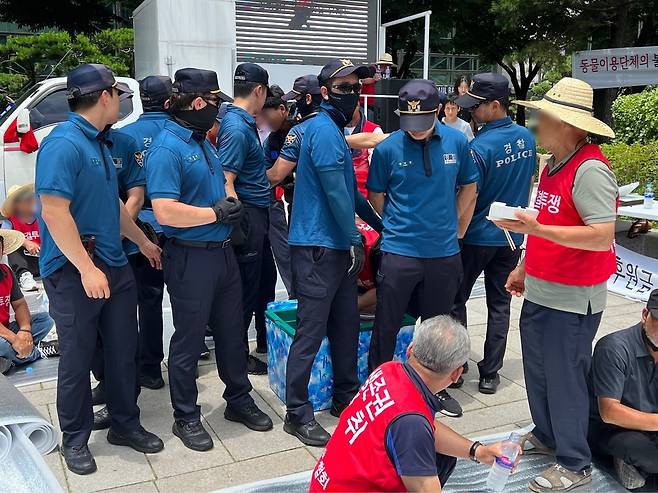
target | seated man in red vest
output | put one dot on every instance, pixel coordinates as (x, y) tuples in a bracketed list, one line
[(570, 255), (20, 340), (387, 438), (19, 209)]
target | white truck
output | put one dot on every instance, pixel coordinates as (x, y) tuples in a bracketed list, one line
[(40, 109)]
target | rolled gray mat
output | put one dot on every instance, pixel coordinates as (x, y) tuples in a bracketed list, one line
[(25, 435)]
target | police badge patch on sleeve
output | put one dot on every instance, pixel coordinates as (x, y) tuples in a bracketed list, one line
[(139, 157), (290, 138)]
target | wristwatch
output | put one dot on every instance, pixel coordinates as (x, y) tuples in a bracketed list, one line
[(471, 452)]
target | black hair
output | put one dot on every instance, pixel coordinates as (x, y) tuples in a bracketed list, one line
[(182, 100), (504, 103), (462, 78), (273, 102), (452, 98), (244, 89), (86, 101)]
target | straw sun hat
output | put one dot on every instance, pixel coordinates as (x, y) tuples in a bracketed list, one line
[(12, 240), (386, 59), (15, 191), (570, 100)]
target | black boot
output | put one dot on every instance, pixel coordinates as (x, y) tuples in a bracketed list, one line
[(139, 440), (101, 419), (98, 394), (310, 433), (79, 459), (250, 416), (489, 384), (193, 435), (153, 383), (256, 366)]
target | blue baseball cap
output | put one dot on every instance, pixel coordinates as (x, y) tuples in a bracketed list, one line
[(252, 72), (486, 87), (342, 67), (418, 103), (92, 77), (155, 89), (195, 81), (306, 84)]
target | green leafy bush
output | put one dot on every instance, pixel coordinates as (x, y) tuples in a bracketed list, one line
[(635, 117), (633, 162)]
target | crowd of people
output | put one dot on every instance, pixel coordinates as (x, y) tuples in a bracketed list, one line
[(211, 199)]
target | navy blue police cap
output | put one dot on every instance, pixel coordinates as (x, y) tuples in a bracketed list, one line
[(252, 72), (306, 84), (486, 87), (342, 67), (155, 89), (195, 81), (92, 77), (418, 103)]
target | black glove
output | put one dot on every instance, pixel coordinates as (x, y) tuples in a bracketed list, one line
[(358, 256), (228, 210)]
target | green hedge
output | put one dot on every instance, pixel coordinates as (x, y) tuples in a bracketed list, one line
[(633, 162), (635, 117)]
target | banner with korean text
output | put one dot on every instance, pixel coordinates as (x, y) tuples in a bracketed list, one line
[(617, 67), (636, 275)]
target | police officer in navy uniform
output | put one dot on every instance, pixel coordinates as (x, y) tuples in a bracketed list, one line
[(185, 183), (86, 274), (412, 180), (154, 91), (505, 154), (244, 166), (326, 253)]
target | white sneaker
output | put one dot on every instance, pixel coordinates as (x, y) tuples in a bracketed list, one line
[(27, 282)]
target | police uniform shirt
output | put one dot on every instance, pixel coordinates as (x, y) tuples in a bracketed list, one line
[(323, 148), (293, 143), (624, 370), (241, 153), (75, 164), (506, 156), (130, 171), (179, 167), (420, 212), (144, 130)]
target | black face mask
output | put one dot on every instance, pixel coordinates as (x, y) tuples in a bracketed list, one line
[(199, 121), (344, 103)]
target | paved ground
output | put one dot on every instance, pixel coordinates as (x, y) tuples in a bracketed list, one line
[(242, 456)]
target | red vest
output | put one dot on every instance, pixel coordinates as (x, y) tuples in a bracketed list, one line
[(5, 294), (355, 458), (366, 279), (31, 231), (361, 161), (556, 263)]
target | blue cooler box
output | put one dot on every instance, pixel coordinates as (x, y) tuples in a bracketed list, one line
[(281, 321)]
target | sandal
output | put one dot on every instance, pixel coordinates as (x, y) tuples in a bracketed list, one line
[(557, 478), (537, 448)]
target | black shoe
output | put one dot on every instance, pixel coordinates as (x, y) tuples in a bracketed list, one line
[(489, 384), (193, 435), (153, 383), (458, 383), (140, 440), (5, 365), (337, 409), (205, 354), (261, 350), (310, 433), (102, 419), (256, 366), (448, 405), (98, 394), (250, 416), (465, 368), (79, 459)]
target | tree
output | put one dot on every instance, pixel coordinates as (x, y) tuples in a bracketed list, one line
[(72, 16)]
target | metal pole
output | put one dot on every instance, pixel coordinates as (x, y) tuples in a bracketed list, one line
[(426, 48), (406, 19)]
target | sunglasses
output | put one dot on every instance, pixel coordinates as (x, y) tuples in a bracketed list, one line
[(477, 105), (347, 88)]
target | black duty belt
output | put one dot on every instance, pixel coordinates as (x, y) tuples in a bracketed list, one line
[(209, 245)]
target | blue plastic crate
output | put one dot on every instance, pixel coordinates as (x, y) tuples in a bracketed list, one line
[(281, 322)]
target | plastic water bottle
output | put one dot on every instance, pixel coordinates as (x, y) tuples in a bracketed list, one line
[(648, 196), (387, 72), (502, 467)]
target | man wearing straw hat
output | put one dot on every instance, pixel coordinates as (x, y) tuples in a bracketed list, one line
[(20, 340), (570, 255)]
